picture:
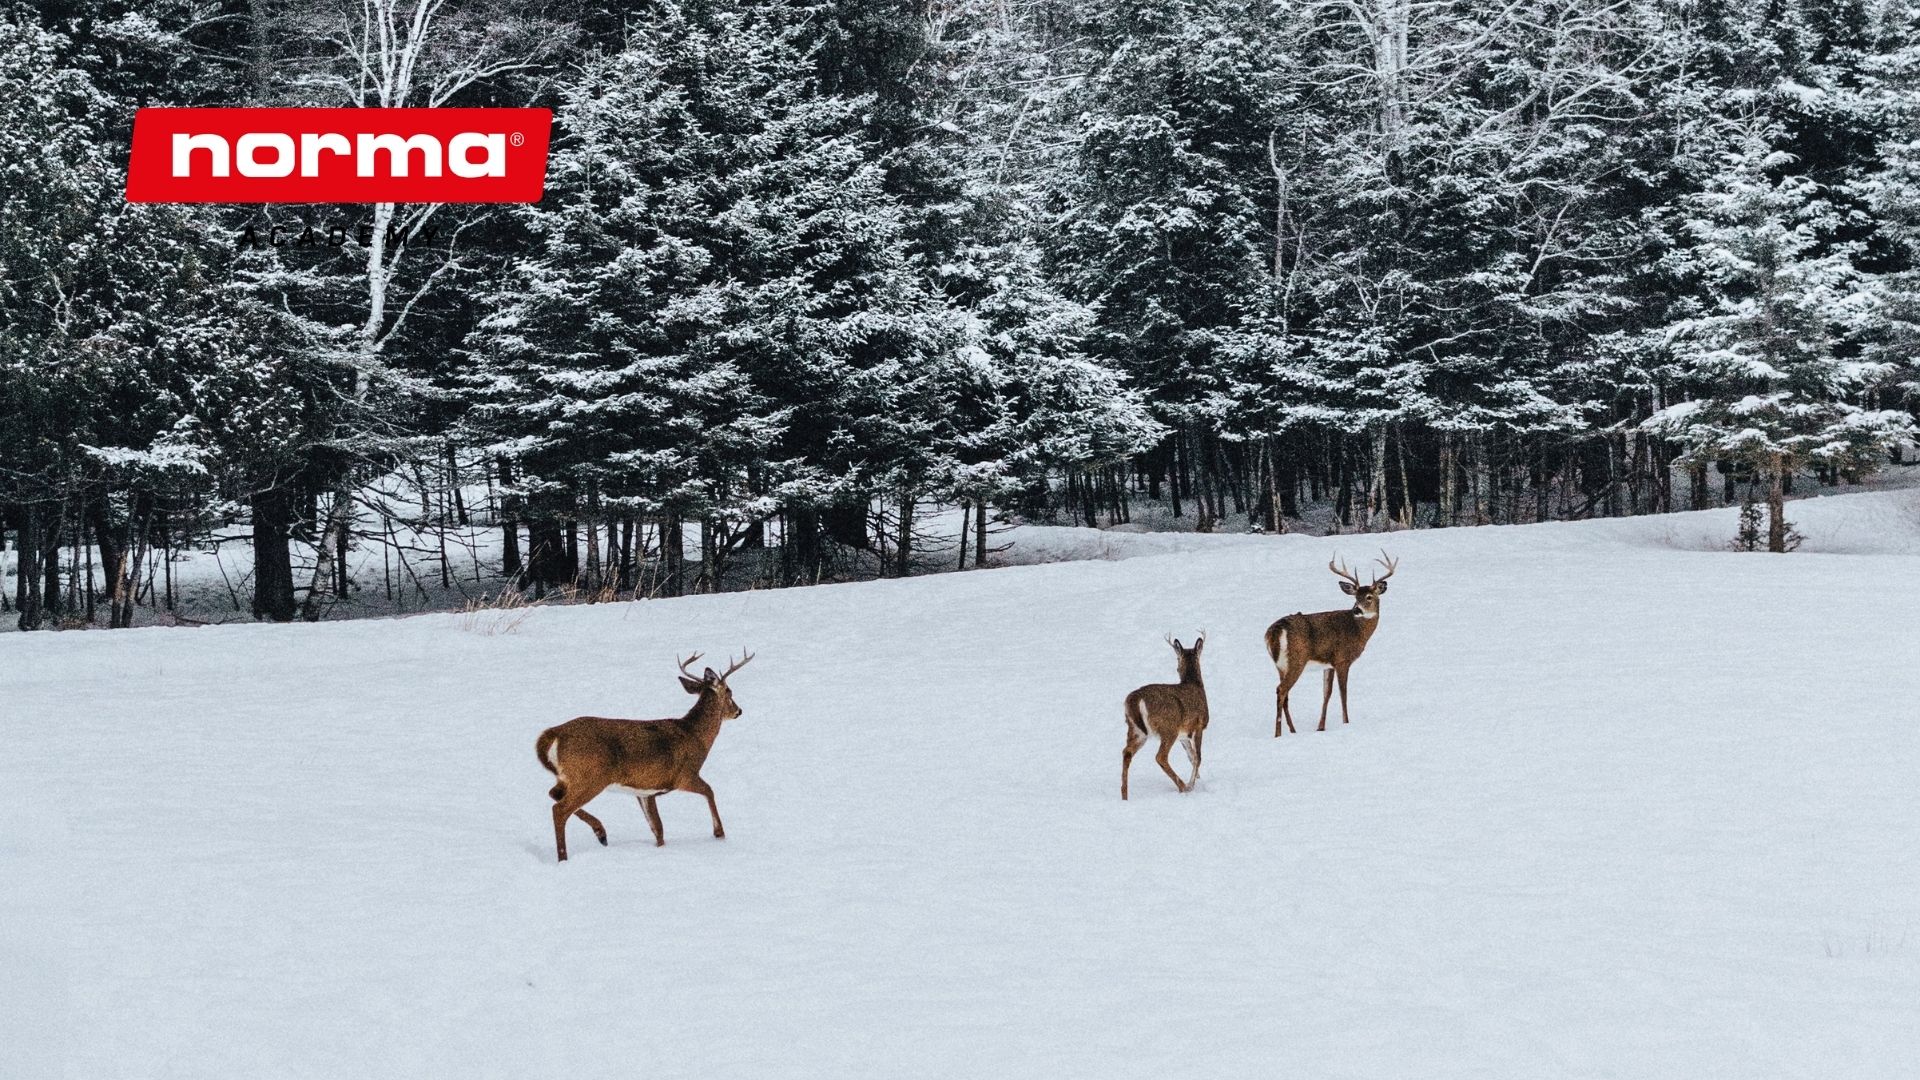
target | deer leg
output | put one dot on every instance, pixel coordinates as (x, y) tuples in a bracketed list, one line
[(1134, 740), (1166, 744), (1282, 709), (1343, 695), (599, 830), (1326, 698), (700, 787), (653, 820), (570, 801), (1192, 745), (560, 816)]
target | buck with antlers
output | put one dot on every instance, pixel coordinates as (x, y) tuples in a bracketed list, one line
[(1173, 711), (1332, 640), (646, 758)]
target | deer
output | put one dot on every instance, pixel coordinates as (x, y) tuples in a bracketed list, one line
[(1332, 640), (1173, 711), (646, 758)]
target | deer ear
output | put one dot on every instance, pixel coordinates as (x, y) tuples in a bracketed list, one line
[(710, 676), (1379, 587), (1199, 644), (1347, 587), (693, 686)]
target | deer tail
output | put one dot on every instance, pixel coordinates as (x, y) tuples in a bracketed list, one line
[(1137, 715), (547, 748)]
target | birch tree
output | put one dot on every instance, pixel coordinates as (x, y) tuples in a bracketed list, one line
[(400, 54)]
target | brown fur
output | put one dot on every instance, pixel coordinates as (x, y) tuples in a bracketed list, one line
[(1171, 711), (1331, 638), (588, 754)]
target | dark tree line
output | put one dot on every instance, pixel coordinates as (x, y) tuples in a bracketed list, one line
[(804, 271)]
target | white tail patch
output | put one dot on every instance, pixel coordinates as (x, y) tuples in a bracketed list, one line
[(1280, 655), (1138, 714), (553, 755)]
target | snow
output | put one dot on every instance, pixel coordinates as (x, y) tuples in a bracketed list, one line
[(1615, 802)]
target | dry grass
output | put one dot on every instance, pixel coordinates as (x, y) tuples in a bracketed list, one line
[(500, 614), (503, 613)]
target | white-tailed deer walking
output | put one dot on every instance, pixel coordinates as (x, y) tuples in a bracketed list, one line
[(1329, 639), (1172, 711), (648, 758)]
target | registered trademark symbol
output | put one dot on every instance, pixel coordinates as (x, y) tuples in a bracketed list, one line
[(516, 138)]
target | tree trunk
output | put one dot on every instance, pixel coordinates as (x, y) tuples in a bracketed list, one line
[(1173, 474), (673, 555), (980, 534), (710, 569), (453, 485), (50, 566), (966, 510), (123, 591), (801, 552), (273, 598), (509, 522), (26, 589), (333, 534), (903, 554), (113, 555), (546, 555), (1405, 515), (1776, 506), (1481, 486)]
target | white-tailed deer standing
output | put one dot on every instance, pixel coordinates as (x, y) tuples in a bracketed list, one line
[(647, 758), (1172, 711), (1332, 640)]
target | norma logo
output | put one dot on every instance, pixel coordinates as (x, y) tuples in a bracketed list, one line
[(338, 155)]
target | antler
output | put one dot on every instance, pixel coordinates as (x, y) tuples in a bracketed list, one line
[(687, 661), (1342, 571), (1389, 562), (733, 667)]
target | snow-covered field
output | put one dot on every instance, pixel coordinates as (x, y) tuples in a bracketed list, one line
[(1613, 804)]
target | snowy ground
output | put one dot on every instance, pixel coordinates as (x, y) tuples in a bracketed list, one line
[(1614, 803)]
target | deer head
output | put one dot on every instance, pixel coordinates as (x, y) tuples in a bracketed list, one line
[(1366, 598), (1188, 659), (714, 684)]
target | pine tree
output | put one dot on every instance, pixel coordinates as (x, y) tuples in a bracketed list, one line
[(721, 322), (1766, 351)]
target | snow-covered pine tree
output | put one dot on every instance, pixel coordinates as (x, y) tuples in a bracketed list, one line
[(1031, 407), (1888, 188), (1766, 353), (102, 308), (1164, 217), (720, 323)]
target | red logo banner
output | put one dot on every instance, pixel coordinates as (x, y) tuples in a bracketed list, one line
[(339, 155)]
